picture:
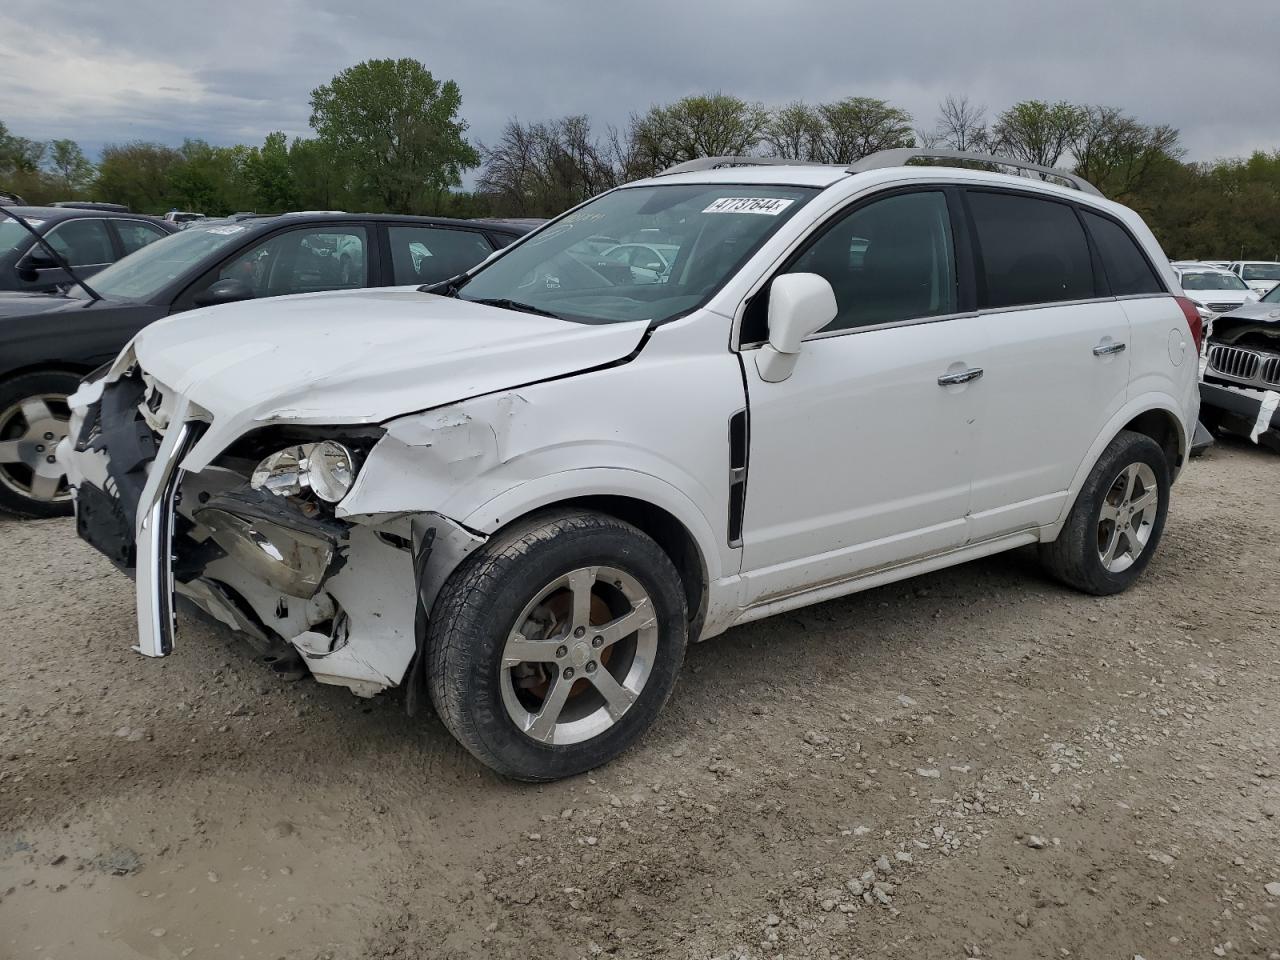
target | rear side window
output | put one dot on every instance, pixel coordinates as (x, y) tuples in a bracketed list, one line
[(1127, 269), (82, 242), (432, 254), (1033, 251), (135, 234)]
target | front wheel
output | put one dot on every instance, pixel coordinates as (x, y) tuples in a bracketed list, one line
[(1115, 525), (34, 417), (555, 645)]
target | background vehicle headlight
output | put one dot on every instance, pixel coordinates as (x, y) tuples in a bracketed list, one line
[(327, 469)]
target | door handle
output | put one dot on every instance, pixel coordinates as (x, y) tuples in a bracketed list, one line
[(964, 376), (1107, 349)]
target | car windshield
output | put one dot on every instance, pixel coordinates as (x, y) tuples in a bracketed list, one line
[(1262, 271), (142, 275), (12, 235), (639, 253), (1212, 281), (1273, 296)]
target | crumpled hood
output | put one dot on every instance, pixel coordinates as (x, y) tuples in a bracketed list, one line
[(1256, 311), (359, 357)]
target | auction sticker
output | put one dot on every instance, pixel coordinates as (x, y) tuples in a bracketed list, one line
[(769, 206), (224, 231)]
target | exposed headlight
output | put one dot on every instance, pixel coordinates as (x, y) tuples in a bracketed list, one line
[(326, 468)]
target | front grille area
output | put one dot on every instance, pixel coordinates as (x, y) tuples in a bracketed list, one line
[(1234, 362), (1271, 372), (1221, 307)]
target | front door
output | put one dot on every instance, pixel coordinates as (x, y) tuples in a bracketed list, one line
[(862, 459)]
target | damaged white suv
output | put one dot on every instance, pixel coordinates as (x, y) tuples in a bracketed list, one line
[(523, 492)]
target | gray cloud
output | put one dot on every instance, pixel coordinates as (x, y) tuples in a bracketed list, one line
[(233, 71)]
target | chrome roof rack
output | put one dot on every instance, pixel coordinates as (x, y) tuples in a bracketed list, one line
[(900, 158), (716, 163)]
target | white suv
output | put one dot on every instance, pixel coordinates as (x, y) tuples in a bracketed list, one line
[(523, 491)]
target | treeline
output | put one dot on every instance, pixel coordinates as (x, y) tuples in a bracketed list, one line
[(388, 136)]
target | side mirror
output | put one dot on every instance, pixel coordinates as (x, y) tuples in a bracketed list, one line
[(229, 290), (39, 259), (800, 304)]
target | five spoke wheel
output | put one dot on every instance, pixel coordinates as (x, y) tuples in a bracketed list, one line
[(579, 656), (1127, 517)]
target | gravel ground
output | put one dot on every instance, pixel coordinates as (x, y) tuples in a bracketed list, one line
[(977, 763)]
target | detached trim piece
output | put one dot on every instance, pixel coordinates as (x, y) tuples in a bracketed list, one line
[(156, 513), (902, 157)]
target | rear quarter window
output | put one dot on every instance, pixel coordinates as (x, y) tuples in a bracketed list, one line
[(1128, 269)]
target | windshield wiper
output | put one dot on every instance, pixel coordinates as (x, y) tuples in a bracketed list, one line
[(505, 304), (444, 288), (57, 257)]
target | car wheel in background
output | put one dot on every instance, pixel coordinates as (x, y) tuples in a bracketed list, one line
[(34, 416), (553, 647), (1114, 527)]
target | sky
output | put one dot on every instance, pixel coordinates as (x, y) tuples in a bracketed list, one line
[(233, 71)]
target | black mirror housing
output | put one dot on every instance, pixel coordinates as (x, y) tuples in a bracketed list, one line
[(229, 290)]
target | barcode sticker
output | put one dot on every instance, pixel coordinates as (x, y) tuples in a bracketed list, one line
[(769, 206)]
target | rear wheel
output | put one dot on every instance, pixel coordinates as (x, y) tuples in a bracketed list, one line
[(555, 645), (34, 417), (1117, 521)]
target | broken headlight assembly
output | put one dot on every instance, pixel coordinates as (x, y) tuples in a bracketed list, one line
[(326, 469)]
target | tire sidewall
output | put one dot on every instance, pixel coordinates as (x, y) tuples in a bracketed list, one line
[(29, 385), (527, 573)]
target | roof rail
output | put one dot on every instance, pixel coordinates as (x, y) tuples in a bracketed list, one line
[(715, 163), (900, 158)]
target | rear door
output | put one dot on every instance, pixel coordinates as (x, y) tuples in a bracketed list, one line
[(1058, 356)]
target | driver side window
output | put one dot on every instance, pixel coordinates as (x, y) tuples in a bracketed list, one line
[(889, 261)]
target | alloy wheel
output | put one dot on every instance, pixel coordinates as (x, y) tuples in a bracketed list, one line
[(579, 656), (1128, 517), (30, 430)]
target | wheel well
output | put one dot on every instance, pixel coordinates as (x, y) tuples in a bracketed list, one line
[(60, 366), (1161, 427), (671, 535)]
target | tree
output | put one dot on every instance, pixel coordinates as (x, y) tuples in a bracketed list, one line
[(137, 174), (397, 128), (706, 125), (856, 127), (321, 182), (269, 175), (1038, 132), (541, 169), (794, 132), (1117, 153), (71, 169), (961, 125)]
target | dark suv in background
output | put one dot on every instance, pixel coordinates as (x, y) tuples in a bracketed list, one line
[(89, 238), (48, 341)]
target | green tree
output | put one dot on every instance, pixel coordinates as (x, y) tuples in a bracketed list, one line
[(69, 167), (137, 174), (794, 132), (709, 125), (1038, 132), (856, 127), (270, 175), (1117, 153), (397, 129), (321, 182)]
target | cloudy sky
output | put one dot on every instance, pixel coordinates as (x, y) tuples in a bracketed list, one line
[(233, 70)]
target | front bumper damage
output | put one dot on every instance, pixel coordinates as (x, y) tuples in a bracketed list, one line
[(350, 595)]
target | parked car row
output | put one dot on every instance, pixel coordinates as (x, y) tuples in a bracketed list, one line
[(48, 341), (697, 400)]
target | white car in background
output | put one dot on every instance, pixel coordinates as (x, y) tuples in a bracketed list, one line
[(521, 492), (1260, 275), (1214, 291)]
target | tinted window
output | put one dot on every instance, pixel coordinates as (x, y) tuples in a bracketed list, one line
[(1261, 271), (1033, 251), (82, 242), (891, 260), (432, 254), (135, 234), (1127, 269), (302, 261)]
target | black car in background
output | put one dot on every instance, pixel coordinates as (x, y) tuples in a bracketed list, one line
[(89, 238), (48, 341)]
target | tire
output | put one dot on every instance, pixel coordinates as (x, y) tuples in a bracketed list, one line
[(1130, 467), (488, 704), (33, 406)]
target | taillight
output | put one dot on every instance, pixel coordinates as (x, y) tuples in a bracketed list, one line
[(1192, 313)]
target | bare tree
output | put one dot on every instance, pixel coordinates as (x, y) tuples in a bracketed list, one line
[(1038, 132), (794, 132), (961, 125), (540, 169), (856, 127), (707, 125)]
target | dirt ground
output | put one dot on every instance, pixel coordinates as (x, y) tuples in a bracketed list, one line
[(978, 763)]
